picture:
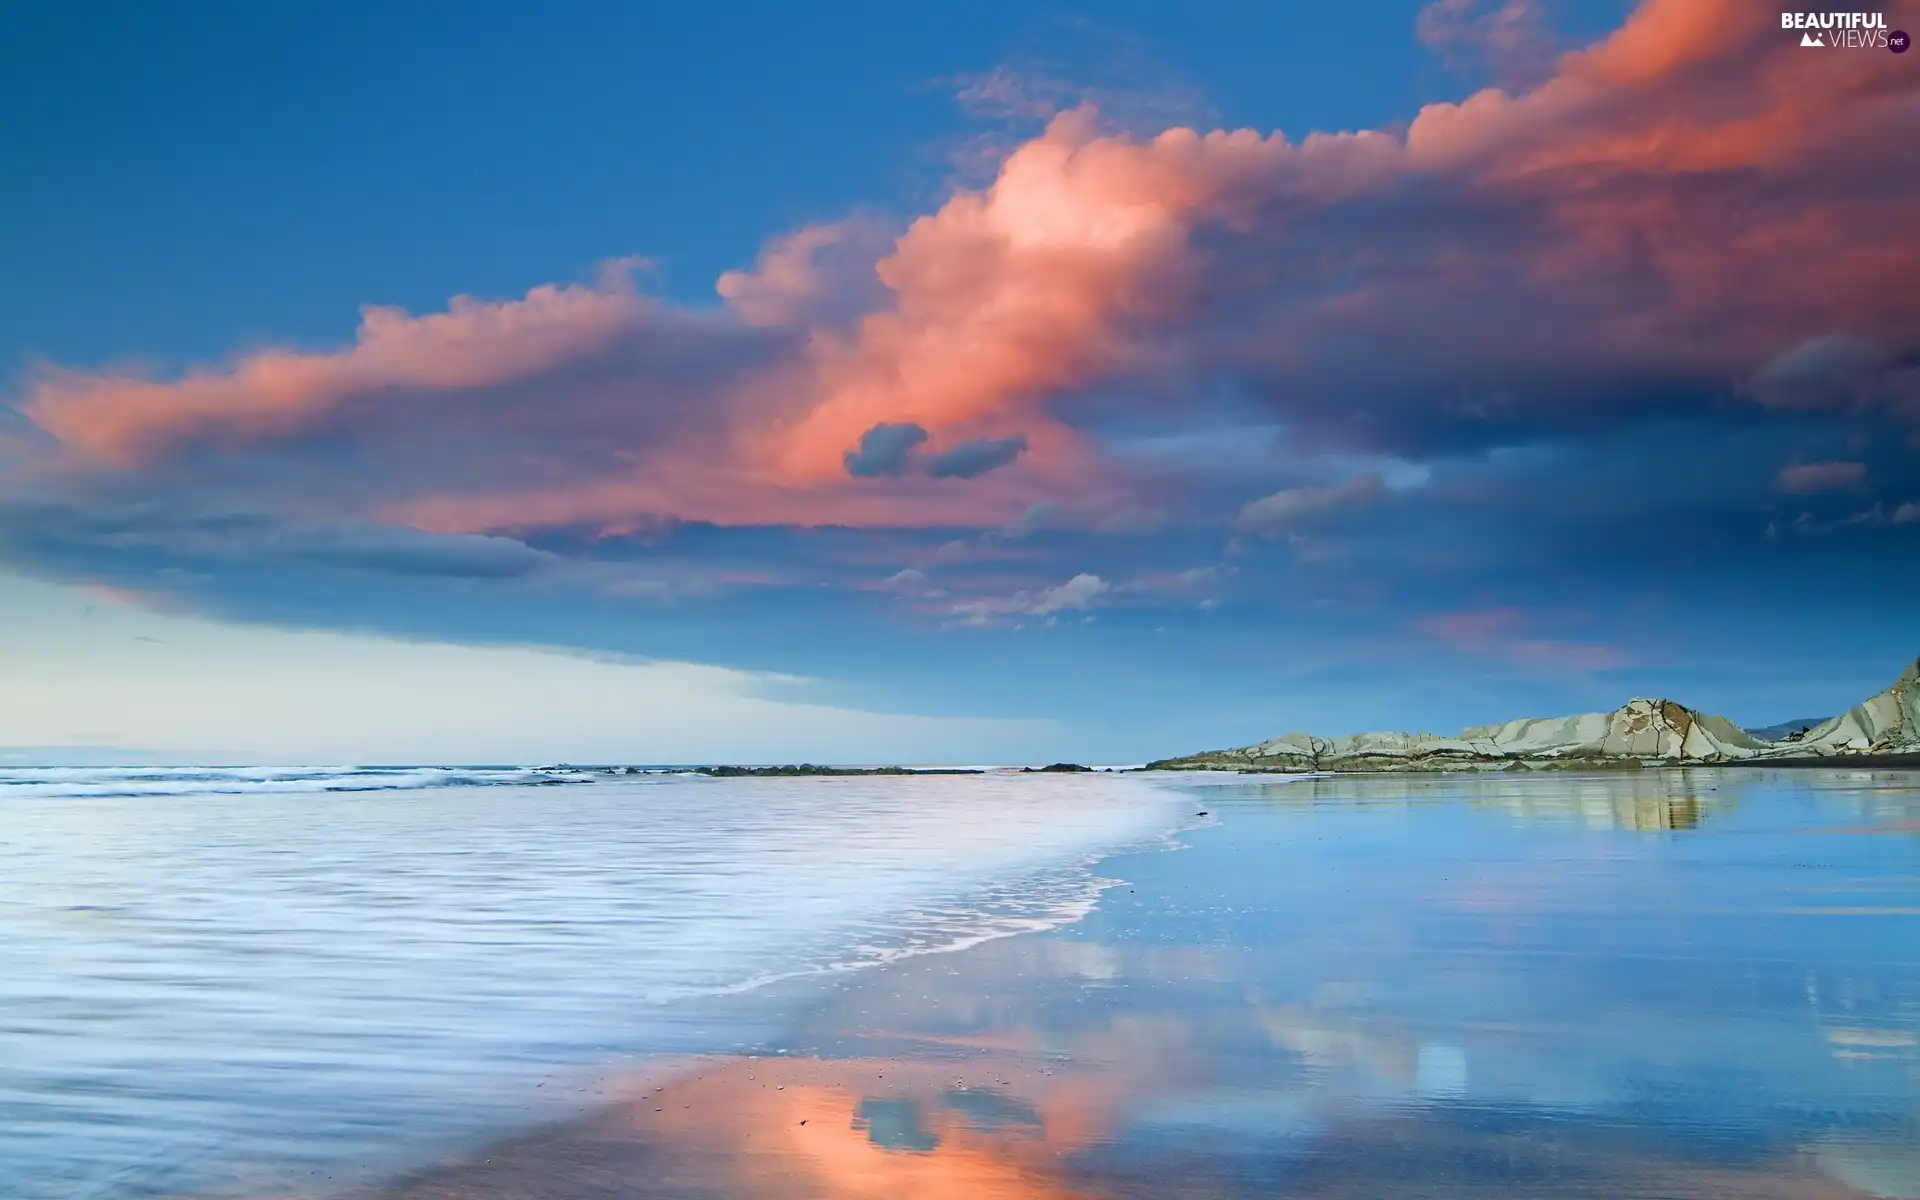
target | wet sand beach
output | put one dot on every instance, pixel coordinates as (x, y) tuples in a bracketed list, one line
[(1663, 985)]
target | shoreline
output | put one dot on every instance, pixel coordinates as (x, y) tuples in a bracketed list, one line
[(1031, 1066), (591, 1153), (608, 1130)]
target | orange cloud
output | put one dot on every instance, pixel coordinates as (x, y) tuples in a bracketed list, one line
[(1040, 284), (124, 420), (1674, 208), (813, 274)]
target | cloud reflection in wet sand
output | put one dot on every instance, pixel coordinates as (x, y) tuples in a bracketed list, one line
[(1126, 1107), (1373, 1032), (996, 1126)]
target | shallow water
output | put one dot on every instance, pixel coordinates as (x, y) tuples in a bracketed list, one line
[(1715, 967), (230, 979), (1700, 984), (1690, 983)]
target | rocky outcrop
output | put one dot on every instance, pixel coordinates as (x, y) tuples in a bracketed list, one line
[(1641, 732), (1646, 729), (1886, 723)]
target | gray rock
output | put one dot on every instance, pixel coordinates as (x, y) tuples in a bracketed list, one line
[(1641, 732)]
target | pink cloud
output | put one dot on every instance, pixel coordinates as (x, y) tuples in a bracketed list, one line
[(1804, 478), (1497, 632), (122, 419), (1680, 203), (1043, 282), (818, 274)]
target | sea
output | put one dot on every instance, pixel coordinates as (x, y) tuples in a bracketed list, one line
[(1699, 982), (217, 979)]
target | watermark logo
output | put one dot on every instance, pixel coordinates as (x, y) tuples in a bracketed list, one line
[(1845, 31)]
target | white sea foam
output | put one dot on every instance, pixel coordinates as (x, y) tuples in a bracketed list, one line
[(79, 782)]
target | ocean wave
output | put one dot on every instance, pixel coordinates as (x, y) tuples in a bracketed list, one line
[(121, 782), (1035, 901)]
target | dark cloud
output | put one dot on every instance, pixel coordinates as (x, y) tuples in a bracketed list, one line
[(1824, 372), (76, 541), (1839, 371), (885, 449), (977, 457), (892, 448)]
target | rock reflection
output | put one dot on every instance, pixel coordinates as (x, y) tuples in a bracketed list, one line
[(1661, 799)]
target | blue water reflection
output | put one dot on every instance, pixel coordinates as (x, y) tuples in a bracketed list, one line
[(1664, 982)]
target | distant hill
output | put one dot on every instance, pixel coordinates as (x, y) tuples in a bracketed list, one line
[(1641, 732), (1786, 729)]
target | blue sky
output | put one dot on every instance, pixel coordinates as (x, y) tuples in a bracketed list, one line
[(941, 384), (204, 179)]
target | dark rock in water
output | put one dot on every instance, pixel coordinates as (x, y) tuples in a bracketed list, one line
[(1056, 768)]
